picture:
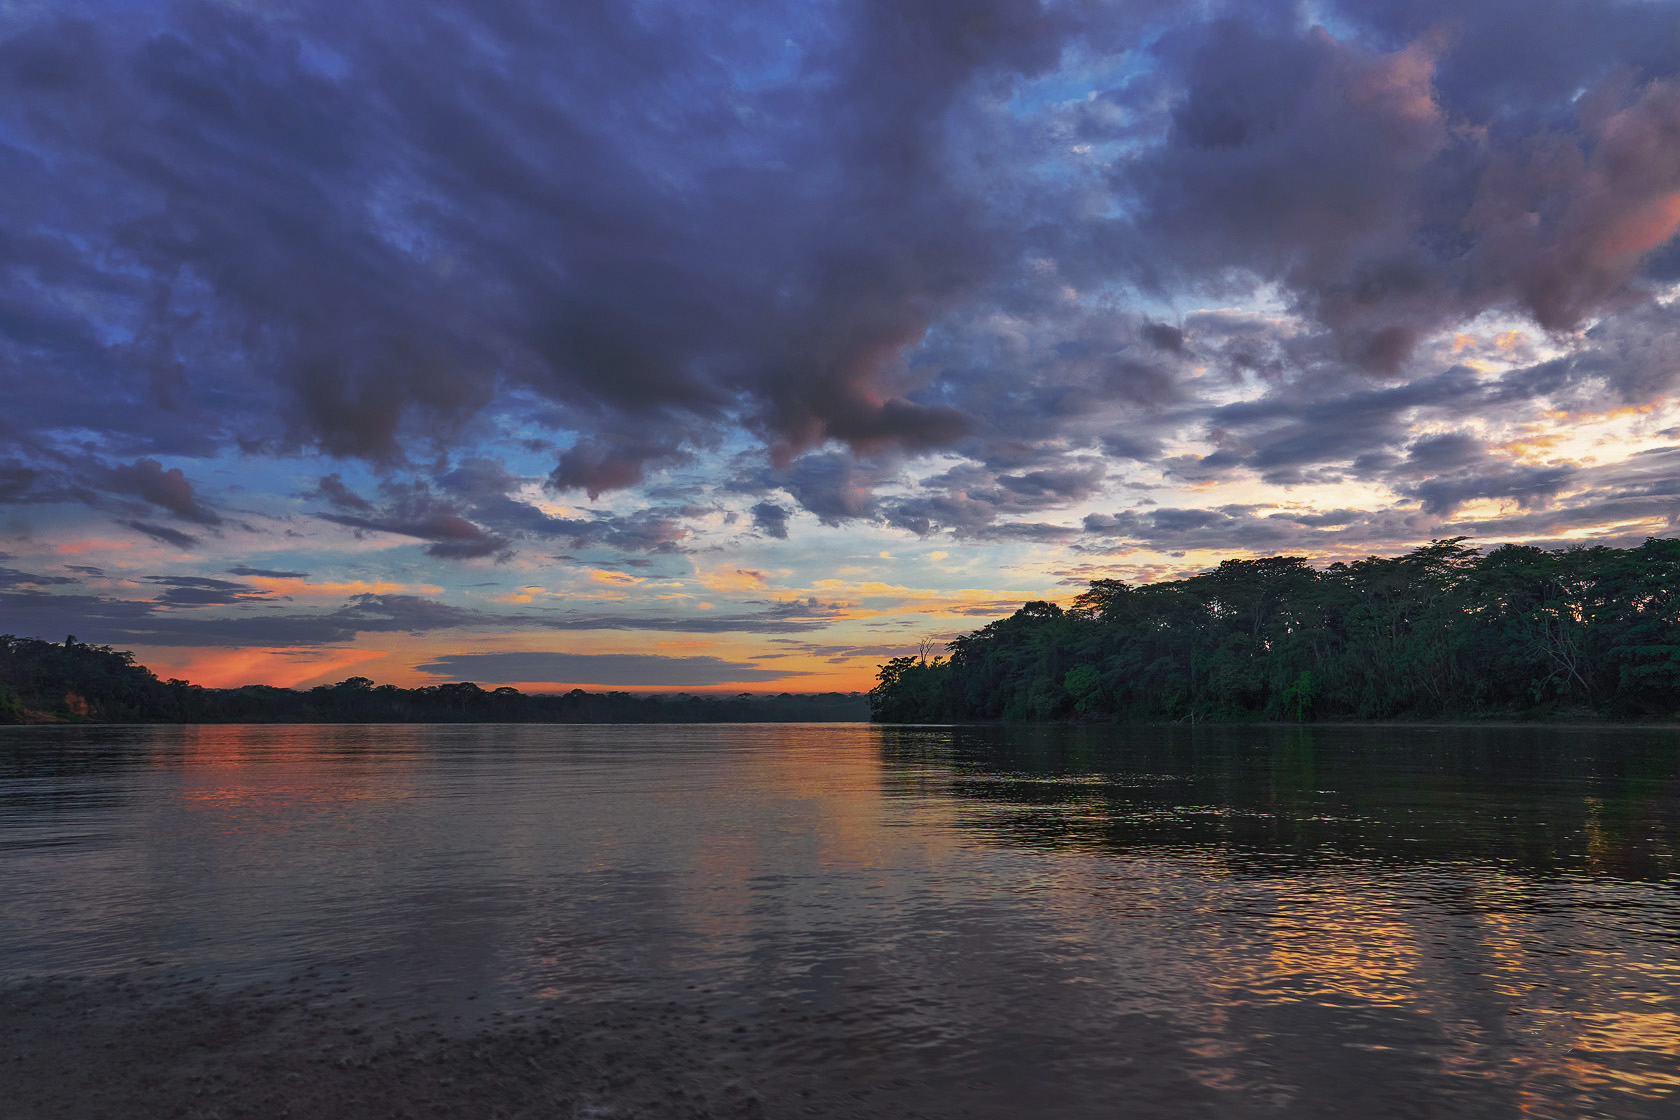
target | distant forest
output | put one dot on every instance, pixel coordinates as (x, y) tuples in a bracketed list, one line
[(1441, 632), (45, 682)]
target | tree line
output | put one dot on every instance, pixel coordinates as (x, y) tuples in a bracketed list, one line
[(1442, 631), (49, 682)]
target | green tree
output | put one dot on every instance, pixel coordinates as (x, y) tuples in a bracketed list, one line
[(1298, 697)]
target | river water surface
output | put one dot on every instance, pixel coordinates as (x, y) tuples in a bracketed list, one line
[(927, 920)]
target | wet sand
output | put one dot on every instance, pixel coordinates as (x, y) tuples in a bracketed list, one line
[(128, 1050), (165, 1047)]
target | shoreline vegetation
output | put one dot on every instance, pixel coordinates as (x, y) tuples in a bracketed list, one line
[(1442, 633), (45, 682)]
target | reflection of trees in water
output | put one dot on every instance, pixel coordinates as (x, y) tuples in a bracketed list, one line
[(1274, 798), (1454, 919), (46, 773), (55, 774)]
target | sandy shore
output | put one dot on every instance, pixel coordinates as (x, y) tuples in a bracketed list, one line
[(165, 1048), (138, 1050)]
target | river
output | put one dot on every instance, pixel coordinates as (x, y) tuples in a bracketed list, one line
[(794, 920)]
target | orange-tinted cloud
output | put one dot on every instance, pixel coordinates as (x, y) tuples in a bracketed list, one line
[(92, 544), (282, 668)]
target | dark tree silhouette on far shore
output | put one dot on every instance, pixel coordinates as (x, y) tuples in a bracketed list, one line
[(1442, 631)]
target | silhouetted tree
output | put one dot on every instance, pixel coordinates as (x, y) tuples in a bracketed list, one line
[(1441, 630)]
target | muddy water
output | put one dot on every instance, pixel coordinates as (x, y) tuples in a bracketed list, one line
[(853, 920)]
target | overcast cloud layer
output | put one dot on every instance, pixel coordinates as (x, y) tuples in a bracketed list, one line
[(410, 335)]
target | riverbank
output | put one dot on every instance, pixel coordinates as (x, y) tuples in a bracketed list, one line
[(169, 1047)]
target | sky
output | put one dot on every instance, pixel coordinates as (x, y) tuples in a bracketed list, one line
[(741, 346)]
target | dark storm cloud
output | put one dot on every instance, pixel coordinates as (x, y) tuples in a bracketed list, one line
[(771, 519), (381, 231), (1397, 181), (266, 573), (168, 489), (345, 227), (601, 669)]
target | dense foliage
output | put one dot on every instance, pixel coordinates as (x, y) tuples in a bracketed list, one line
[(47, 682), (1440, 631)]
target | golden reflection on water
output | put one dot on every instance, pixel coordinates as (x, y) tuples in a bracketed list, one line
[(1512, 993), (1556, 981), (1274, 921)]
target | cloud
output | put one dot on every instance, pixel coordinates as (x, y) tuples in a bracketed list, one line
[(11, 577), (15, 479), (29, 610), (167, 489), (660, 243), (146, 622), (771, 519), (331, 488), (969, 499), (972, 269), (1529, 487), (452, 537), (835, 487), (175, 537), (782, 617), (411, 510), (469, 510), (198, 591), (1388, 201), (606, 669)]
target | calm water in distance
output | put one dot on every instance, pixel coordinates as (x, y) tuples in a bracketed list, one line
[(1267, 921)]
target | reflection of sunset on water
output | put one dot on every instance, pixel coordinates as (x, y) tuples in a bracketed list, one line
[(1545, 982), (1292, 919), (266, 773)]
